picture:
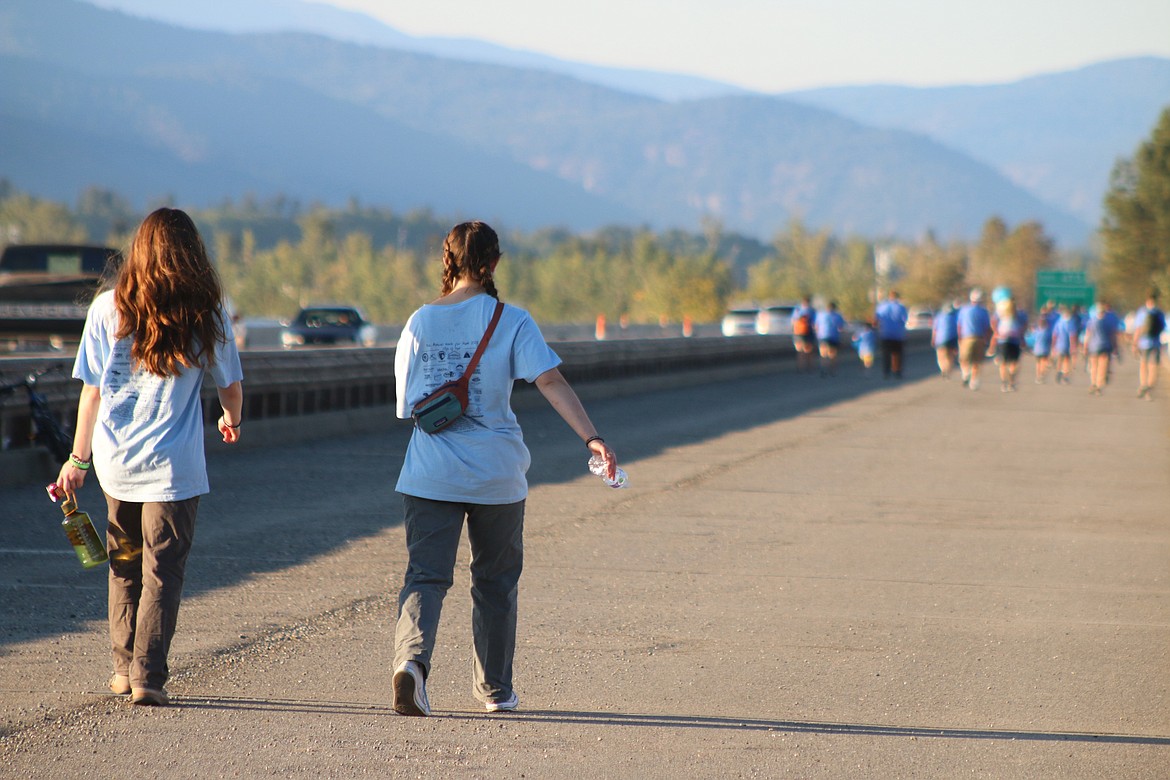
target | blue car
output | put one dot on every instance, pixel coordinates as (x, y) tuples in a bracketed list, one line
[(328, 325)]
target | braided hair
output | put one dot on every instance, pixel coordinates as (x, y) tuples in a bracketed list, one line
[(470, 249)]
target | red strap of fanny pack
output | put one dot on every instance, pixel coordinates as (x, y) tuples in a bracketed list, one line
[(487, 336)]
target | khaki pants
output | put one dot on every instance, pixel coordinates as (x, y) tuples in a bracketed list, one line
[(148, 546), (972, 350)]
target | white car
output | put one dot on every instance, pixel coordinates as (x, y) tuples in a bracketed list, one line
[(740, 322), (775, 320), (920, 318)]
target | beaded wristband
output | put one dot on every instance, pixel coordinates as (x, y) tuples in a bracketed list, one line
[(79, 463), (225, 422), (592, 439)]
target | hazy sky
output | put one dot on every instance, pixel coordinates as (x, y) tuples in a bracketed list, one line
[(775, 45)]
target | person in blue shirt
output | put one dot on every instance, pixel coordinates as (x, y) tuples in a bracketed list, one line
[(804, 337), (1082, 317), (1048, 311), (865, 342), (830, 323), (1008, 334), (891, 317), (145, 350), (1041, 343), (1148, 324), (1101, 334), (1065, 343), (974, 337), (945, 338)]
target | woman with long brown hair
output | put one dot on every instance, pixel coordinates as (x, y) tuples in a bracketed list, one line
[(146, 347), (473, 470)]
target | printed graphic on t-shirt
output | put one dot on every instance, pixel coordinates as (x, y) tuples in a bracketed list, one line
[(132, 395), (446, 362)]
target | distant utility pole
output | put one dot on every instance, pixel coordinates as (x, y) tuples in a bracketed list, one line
[(883, 264)]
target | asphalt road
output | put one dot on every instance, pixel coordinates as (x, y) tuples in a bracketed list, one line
[(808, 577)]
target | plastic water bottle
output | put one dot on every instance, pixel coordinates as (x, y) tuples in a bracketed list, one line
[(90, 549), (597, 466)]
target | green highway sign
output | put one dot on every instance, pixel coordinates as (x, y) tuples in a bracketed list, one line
[(1062, 278), (1070, 288)]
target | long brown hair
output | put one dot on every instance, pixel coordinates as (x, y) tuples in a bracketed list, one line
[(470, 249), (168, 296)]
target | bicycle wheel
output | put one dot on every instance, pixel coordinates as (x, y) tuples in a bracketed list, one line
[(48, 431)]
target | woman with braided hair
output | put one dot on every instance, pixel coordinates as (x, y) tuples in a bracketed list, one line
[(473, 470)]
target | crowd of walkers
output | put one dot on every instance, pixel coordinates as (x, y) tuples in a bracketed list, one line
[(820, 333), (968, 333), (1060, 337), (817, 333)]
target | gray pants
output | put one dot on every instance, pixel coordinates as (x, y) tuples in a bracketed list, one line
[(496, 535), (148, 546)]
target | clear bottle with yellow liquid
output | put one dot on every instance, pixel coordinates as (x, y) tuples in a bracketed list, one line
[(90, 548)]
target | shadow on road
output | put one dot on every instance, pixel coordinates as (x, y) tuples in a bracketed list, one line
[(610, 719), (275, 507)]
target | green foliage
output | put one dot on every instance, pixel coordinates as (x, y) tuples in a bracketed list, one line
[(849, 279), (796, 267), (932, 273), (616, 274), (107, 216), (816, 264), (277, 256), (28, 220), (321, 268), (1136, 229), (1011, 258)]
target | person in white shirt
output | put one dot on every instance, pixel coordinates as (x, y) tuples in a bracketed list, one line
[(145, 349), (471, 471)]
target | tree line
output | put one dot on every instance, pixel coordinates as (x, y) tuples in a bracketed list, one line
[(278, 255), (1135, 232)]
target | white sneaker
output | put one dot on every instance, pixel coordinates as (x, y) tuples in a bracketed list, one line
[(410, 690), (507, 705)]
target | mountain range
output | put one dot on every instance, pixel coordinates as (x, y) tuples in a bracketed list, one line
[(1057, 136), (150, 109), (268, 16)]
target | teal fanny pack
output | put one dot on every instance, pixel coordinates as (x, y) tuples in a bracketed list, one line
[(441, 408), (447, 402)]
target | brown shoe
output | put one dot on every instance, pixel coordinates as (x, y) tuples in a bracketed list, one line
[(149, 697), (120, 684)]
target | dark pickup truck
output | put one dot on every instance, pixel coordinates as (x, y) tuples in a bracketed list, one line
[(46, 289)]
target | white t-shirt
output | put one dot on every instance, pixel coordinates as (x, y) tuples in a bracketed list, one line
[(148, 437), (481, 457)]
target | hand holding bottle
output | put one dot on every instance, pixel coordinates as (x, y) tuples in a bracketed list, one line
[(603, 462), (90, 549), (612, 474)]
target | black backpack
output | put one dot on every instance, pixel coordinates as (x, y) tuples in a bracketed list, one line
[(1154, 324)]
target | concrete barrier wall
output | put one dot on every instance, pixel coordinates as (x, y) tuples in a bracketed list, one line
[(297, 394)]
